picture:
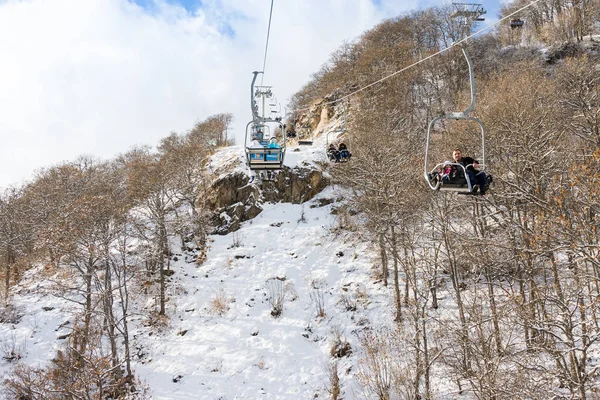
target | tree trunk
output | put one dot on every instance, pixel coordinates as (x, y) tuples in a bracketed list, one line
[(384, 260), (161, 263), (397, 295), (109, 314), (7, 277)]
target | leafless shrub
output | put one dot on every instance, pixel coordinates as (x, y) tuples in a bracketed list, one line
[(10, 314), (348, 302), (302, 218), (340, 347), (237, 240), (11, 352), (219, 305), (375, 366), (28, 383), (333, 387), (276, 295), (78, 371), (317, 295), (156, 320)]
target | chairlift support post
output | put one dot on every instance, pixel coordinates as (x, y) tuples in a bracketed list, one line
[(343, 129)]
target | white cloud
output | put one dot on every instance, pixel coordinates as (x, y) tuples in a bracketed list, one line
[(99, 76)]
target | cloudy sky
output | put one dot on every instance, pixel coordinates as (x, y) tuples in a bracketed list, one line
[(100, 76)]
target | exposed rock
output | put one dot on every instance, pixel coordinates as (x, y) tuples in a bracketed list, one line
[(235, 201), (564, 50), (294, 186), (322, 203)]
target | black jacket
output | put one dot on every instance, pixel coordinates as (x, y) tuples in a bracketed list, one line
[(468, 161), (458, 173)]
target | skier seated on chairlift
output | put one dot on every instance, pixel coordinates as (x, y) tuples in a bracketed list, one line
[(333, 153), (479, 180), (255, 143), (273, 144), (257, 134), (291, 133), (344, 154)]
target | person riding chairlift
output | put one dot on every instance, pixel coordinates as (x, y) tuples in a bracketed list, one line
[(255, 143), (273, 144), (333, 153), (344, 154), (479, 180)]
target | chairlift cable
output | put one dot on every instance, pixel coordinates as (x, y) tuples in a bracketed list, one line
[(426, 58), (267, 44)]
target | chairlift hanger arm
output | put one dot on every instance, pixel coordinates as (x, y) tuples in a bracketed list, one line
[(254, 110), (471, 106)]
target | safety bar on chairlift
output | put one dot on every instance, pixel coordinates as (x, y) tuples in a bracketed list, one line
[(436, 169)]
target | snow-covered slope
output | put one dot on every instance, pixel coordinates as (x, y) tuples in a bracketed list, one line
[(246, 353)]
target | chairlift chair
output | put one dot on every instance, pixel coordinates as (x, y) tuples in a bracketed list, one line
[(331, 156), (432, 176), (262, 157), (516, 23)]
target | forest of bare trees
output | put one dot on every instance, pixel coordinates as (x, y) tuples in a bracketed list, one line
[(518, 267), (81, 217)]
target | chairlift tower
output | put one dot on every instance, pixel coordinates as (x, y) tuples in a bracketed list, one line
[(263, 92), (467, 13)]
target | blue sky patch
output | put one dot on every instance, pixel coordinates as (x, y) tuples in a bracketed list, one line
[(189, 5)]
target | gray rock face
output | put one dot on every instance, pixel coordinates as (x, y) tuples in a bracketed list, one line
[(234, 201)]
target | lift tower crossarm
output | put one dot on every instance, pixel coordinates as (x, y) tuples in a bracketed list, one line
[(254, 107), (469, 11)]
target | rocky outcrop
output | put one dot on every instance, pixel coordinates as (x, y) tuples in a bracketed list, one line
[(294, 186), (234, 200)]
